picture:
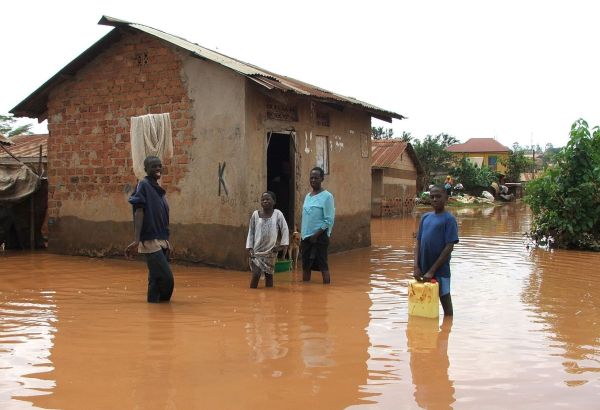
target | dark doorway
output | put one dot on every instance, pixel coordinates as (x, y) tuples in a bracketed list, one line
[(280, 173), (16, 219)]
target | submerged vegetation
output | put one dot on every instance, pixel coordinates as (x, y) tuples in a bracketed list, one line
[(565, 200)]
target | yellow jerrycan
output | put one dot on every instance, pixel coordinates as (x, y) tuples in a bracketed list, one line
[(423, 299)]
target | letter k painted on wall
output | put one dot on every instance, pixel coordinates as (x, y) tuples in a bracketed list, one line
[(221, 180)]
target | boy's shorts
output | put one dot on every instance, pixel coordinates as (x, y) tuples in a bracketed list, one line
[(444, 284)]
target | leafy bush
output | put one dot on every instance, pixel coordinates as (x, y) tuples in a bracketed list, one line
[(565, 200), (433, 155), (470, 175), (516, 164)]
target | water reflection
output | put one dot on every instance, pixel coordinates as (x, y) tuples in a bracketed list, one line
[(428, 348), (158, 350), (565, 297), (27, 329), (218, 345), (525, 332), (266, 336), (317, 343)]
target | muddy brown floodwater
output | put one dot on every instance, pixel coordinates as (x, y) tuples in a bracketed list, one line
[(76, 333)]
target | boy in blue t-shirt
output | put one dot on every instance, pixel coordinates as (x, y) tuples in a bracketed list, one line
[(438, 232)]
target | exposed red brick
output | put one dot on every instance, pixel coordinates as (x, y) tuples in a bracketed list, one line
[(89, 120)]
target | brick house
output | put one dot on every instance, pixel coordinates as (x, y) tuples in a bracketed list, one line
[(237, 130), (395, 170)]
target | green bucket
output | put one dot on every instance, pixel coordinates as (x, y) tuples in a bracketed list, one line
[(284, 265)]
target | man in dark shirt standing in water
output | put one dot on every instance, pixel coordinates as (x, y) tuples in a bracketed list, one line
[(151, 221)]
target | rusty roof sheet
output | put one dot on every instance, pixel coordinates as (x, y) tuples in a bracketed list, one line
[(479, 145), (385, 152), (265, 78), (32, 105), (4, 140), (27, 147)]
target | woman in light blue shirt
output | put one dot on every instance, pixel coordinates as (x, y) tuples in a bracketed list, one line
[(318, 213)]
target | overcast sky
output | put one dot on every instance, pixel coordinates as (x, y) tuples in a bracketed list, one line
[(514, 70)]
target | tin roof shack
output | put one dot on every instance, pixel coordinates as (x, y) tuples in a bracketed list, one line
[(395, 170), (483, 151), (237, 130), (23, 191)]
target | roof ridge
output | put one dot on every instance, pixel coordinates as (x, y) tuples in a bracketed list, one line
[(111, 21), (35, 105), (479, 144)]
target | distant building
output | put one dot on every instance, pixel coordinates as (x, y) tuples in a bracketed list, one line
[(395, 170), (483, 151)]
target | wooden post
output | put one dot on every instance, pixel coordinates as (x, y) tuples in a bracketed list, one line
[(32, 205), (31, 222), (40, 163)]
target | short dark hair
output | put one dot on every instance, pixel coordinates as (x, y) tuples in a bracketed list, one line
[(319, 170), (149, 159), (440, 187), (272, 194)]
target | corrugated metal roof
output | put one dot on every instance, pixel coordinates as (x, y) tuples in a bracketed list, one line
[(384, 153), (269, 79), (479, 145), (4, 140), (32, 105), (27, 147)]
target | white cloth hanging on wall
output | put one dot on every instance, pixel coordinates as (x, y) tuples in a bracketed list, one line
[(150, 135)]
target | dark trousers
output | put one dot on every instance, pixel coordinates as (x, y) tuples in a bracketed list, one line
[(314, 257), (256, 277), (160, 277)]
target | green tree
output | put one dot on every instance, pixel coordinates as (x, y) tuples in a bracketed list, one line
[(406, 137), (433, 155), (528, 148), (549, 155), (516, 164), (470, 175), (8, 129), (380, 133), (565, 200)]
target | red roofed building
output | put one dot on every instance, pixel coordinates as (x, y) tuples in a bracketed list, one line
[(395, 169), (483, 151)]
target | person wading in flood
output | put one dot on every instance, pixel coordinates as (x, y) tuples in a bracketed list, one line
[(151, 222), (438, 232), (265, 226), (318, 214)]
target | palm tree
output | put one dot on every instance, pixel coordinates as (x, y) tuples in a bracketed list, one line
[(8, 129)]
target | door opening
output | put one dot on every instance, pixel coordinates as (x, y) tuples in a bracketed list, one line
[(281, 168)]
